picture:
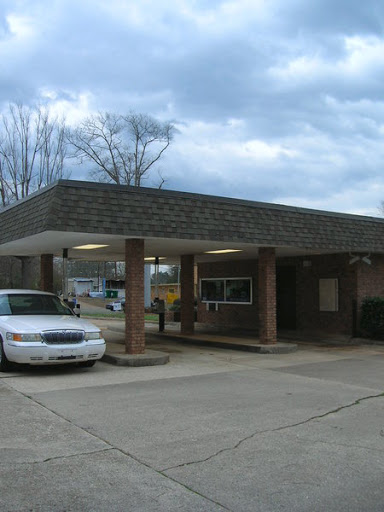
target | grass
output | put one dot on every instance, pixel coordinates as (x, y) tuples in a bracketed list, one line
[(151, 318), (147, 317), (95, 301)]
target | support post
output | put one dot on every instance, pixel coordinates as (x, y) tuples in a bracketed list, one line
[(65, 275), (134, 297), (187, 301), (28, 272), (267, 295)]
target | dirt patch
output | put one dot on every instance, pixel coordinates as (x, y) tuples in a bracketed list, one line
[(94, 301)]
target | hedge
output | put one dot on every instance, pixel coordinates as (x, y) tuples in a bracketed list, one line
[(372, 317)]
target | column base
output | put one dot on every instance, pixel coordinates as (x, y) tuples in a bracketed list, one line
[(149, 358)]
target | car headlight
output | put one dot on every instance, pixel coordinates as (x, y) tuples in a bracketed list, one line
[(93, 336), (26, 336)]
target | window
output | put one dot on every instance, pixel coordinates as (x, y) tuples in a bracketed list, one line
[(212, 290), (329, 294), (32, 304), (236, 290)]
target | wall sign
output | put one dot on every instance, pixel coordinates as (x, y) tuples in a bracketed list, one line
[(329, 294)]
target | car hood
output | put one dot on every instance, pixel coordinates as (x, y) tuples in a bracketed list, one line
[(38, 323)]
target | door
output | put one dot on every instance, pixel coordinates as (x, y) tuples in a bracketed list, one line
[(286, 297)]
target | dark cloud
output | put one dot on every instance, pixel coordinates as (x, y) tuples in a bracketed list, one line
[(274, 100), (328, 17)]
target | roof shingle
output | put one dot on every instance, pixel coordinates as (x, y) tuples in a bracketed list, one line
[(128, 211)]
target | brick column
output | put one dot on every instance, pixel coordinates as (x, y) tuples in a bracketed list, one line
[(134, 297), (267, 295), (28, 272), (46, 272), (187, 309)]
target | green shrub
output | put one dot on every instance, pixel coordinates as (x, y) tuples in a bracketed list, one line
[(372, 317), (175, 306)]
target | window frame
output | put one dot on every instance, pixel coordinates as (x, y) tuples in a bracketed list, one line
[(225, 280)]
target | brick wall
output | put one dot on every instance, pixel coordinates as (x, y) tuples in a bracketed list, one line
[(187, 299), (370, 280), (354, 283), (231, 315), (46, 272), (308, 314), (267, 295), (134, 296)]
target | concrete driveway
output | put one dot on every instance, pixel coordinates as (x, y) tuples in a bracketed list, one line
[(213, 430)]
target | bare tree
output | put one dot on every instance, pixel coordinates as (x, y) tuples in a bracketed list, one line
[(32, 155), (121, 149), (99, 140), (149, 139), (51, 158), (5, 191), (32, 151)]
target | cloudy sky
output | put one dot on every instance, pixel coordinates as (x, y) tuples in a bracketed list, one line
[(274, 100)]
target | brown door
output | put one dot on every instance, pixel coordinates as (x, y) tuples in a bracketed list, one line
[(286, 297)]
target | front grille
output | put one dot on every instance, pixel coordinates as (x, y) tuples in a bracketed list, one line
[(62, 337)]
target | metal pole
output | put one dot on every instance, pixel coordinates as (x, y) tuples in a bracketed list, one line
[(65, 275), (159, 303), (157, 277)]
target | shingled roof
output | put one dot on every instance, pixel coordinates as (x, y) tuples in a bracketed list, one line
[(85, 207)]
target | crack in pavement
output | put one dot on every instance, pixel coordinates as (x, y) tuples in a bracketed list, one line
[(285, 427), (61, 457), (162, 472), (112, 447)]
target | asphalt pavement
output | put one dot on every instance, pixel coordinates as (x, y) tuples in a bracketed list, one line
[(212, 430)]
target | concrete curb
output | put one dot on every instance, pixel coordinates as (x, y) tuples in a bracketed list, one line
[(149, 358), (210, 340), (276, 348)]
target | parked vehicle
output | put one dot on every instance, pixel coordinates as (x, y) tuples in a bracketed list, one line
[(116, 305), (38, 328)]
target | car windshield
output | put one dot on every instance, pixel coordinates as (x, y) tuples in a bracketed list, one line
[(32, 304)]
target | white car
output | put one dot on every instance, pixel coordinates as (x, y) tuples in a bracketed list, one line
[(117, 305), (38, 328)]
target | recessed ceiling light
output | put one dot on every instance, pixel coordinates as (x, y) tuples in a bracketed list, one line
[(153, 258), (90, 246), (223, 251)]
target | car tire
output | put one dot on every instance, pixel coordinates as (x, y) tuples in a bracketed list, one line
[(87, 364), (5, 365)]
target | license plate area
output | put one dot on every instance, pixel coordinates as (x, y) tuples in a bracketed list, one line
[(66, 354)]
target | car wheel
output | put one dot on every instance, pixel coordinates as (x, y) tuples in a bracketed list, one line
[(87, 364), (5, 365)]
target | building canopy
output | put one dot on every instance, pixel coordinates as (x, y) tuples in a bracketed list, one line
[(69, 214)]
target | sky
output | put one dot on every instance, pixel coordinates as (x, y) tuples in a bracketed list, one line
[(274, 100)]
